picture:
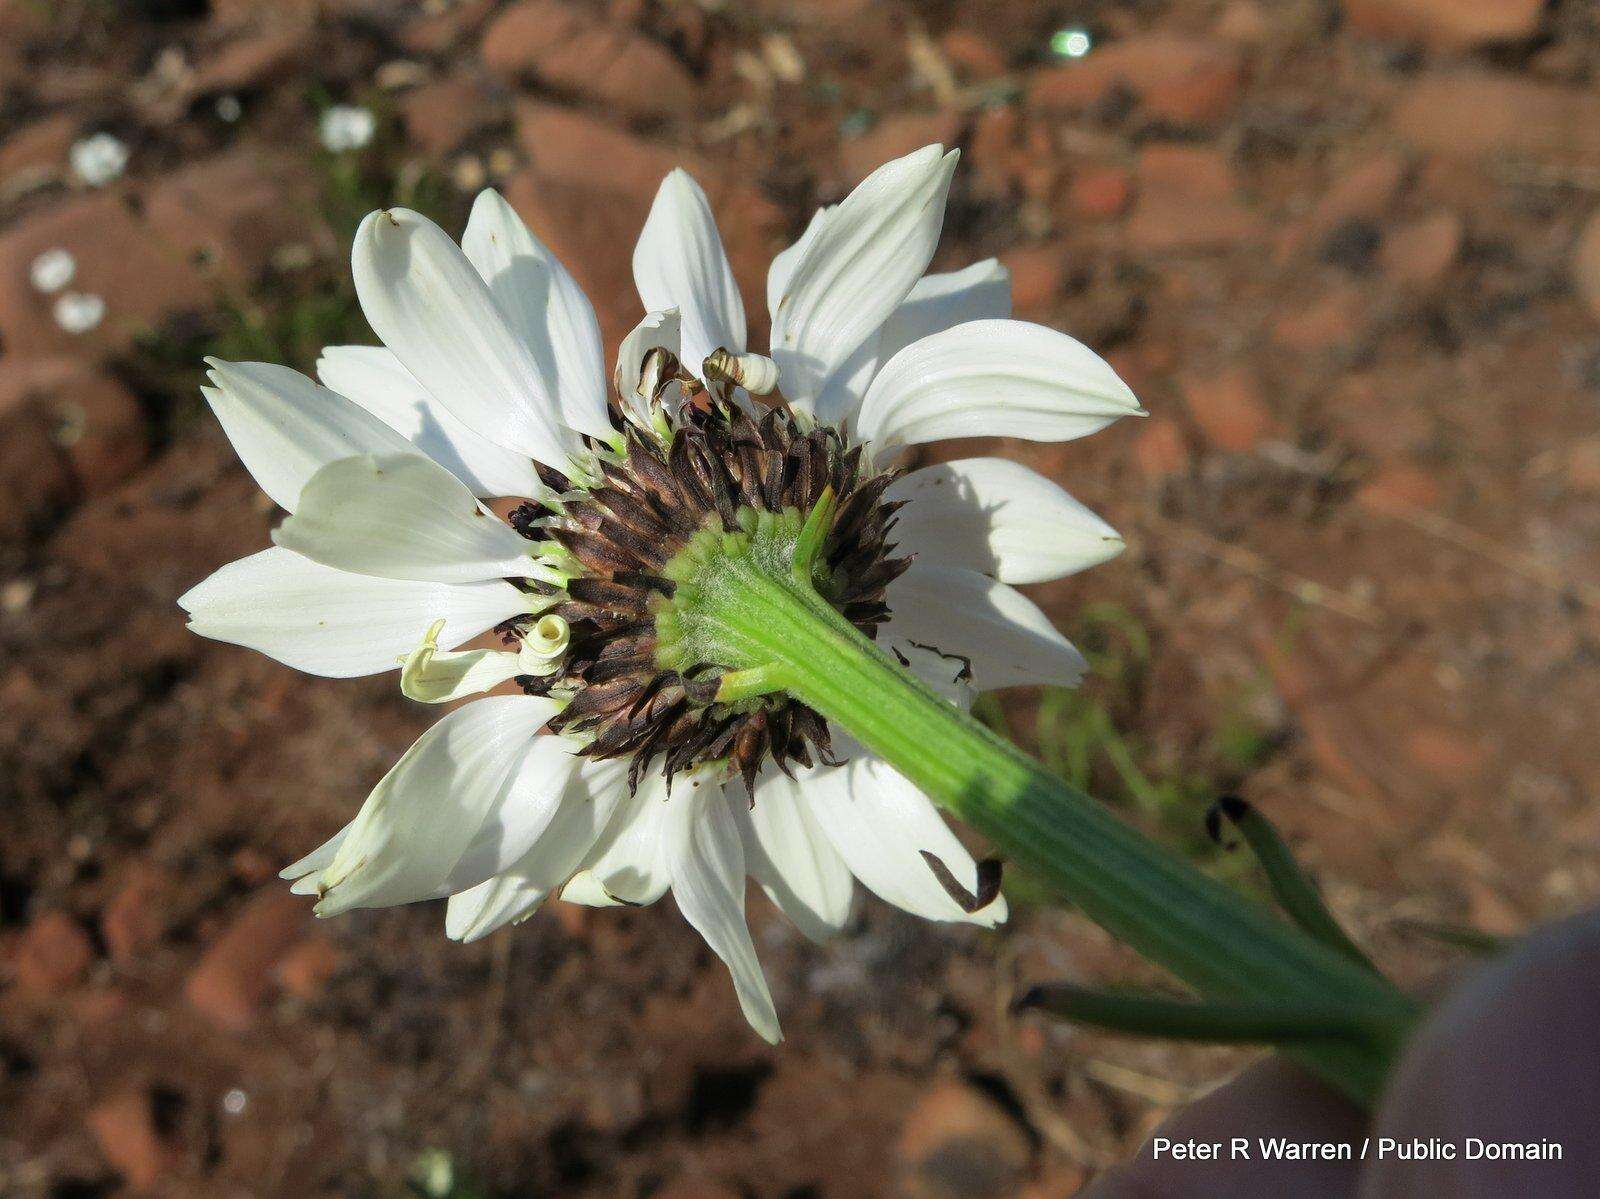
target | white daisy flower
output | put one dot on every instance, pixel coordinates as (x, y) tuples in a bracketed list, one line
[(633, 764), (99, 158), (346, 127)]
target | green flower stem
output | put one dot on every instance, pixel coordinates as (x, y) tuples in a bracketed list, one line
[(747, 605)]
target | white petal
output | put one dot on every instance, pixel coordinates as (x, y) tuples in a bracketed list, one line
[(998, 517), (797, 866), (303, 872), (432, 308), (431, 677), (679, 263), (545, 307), (948, 674), (372, 377), (658, 331), (705, 855), (938, 302), (881, 825), (546, 778), (1009, 641), (402, 516), (783, 263), (412, 831), (285, 428), (862, 261), (584, 888), (993, 379), (840, 397), (544, 643), (625, 865), (494, 903), (587, 802), (334, 623)]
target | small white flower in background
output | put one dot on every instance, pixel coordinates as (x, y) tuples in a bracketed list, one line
[(79, 312), (52, 270), (99, 158), (229, 109), (346, 127), (491, 383)]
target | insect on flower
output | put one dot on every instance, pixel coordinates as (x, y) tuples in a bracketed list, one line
[(638, 758)]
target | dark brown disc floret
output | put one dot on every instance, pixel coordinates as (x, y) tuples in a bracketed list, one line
[(648, 503)]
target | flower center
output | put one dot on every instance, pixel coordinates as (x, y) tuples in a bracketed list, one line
[(647, 681)]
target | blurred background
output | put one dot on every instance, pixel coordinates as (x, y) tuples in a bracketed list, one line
[(1343, 250)]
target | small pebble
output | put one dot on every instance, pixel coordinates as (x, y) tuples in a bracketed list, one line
[(53, 270), (99, 158), (79, 312)]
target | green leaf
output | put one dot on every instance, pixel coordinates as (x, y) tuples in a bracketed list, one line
[(1458, 936), (1259, 1022), (1296, 894)]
